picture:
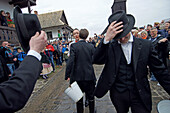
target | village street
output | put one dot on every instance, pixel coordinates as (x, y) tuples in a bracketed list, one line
[(49, 97)]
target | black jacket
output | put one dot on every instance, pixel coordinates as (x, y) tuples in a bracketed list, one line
[(79, 66), (15, 92), (4, 70), (143, 55)]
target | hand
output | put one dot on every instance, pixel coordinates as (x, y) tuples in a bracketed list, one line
[(38, 42), (163, 40), (15, 59), (113, 30), (68, 79)]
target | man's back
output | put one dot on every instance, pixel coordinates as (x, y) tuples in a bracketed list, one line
[(80, 61)]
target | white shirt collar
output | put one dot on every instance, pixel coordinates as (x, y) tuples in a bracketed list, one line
[(131, 38)]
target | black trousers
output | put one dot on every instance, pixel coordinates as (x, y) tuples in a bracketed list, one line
[(87, 87), (127, 99)]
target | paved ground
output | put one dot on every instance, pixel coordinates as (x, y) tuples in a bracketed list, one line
[(49, 96)]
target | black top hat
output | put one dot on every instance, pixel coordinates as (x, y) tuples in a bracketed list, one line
[(127, 19), (26, 26)]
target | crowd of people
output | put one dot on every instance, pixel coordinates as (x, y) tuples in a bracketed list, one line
[(83, 52), (160, 37), (53, 55), (58, 50)]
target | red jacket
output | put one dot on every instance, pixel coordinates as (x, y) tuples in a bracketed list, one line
[(50, 47)]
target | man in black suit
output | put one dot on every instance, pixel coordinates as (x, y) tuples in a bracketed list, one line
[(79, 68), (125, 73), (15, 92)]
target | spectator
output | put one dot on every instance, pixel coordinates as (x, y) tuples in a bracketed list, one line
[(76, 36), (164, 49), (168, 37), (49, 52), (164, 32), (155, 39), (144, 34), (15, 53), (98, 42), (141, 29), (65, 54), (9, 20), (91, 41), (135, 33), (3, 18), (156, 24), (46, 63), (149, 27), (139, 35), (64, 49), (9, 57), (4, 70), (21, 55)]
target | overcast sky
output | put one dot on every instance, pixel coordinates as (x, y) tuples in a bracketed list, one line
[(93, 14)]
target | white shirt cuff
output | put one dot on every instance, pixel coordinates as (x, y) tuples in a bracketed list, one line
[(105, 42), (35, 54)]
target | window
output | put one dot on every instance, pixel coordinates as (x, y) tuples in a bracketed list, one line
[(49, 35)]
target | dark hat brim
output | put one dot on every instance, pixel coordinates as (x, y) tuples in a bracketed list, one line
[(16, 11), (125, 31)]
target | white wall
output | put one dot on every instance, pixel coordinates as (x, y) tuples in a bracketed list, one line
[(55, 31), (4, 5)]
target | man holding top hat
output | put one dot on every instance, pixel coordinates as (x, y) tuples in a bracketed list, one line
[(125, 72), (15, 92)]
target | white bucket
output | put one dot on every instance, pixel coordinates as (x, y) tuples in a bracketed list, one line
[(74, 92)]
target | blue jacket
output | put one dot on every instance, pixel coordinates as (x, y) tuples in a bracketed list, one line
[(21, 56), (163, 33)]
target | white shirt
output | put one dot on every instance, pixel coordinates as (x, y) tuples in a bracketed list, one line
[(127, 48), (35, 54)]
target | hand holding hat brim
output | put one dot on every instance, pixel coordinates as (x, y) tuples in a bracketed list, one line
[(113, 30), (128, 23)]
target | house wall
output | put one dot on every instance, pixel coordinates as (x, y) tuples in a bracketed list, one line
[(54, 31), (4, 5)]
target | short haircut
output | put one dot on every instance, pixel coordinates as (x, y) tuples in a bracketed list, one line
[(144, 32), (149, 25), (154, 28), (156, 23), (7, 13), (83, 33), (1, 12), (75, 29)]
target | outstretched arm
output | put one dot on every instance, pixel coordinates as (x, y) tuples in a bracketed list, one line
[(15, 92)]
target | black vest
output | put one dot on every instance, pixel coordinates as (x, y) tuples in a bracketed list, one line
[(125, 79)]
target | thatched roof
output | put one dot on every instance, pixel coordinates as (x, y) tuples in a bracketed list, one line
[(52, 19)]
